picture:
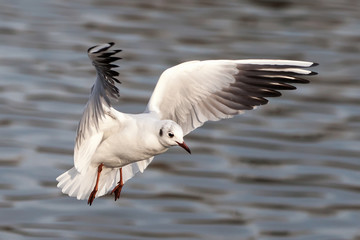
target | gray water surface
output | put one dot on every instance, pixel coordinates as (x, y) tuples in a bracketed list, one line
[(288, 170)]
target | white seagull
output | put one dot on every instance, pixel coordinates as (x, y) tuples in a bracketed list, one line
[(111, 146)]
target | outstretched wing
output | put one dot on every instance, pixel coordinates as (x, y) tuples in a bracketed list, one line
[(98, 108), (194, 92)]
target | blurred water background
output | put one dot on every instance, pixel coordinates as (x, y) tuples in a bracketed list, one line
[(288, 170)]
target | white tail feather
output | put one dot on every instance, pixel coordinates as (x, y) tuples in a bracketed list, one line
[(80, 185)]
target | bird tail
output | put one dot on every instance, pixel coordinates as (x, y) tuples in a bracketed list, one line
[(80, 185)]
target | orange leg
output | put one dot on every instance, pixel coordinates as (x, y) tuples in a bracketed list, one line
[(117, 189), (93, 193)]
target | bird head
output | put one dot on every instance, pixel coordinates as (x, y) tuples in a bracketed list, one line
[(171, 134)]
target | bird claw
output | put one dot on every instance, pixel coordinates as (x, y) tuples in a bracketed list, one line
[(117, 190), (92, 197)]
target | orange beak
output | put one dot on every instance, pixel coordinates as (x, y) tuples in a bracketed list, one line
[(184, 146)]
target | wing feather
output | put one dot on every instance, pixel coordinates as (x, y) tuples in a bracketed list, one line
[(194, 92), (131, 169), (90, 130)]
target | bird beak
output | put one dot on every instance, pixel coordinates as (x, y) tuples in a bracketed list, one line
[(184, 146)]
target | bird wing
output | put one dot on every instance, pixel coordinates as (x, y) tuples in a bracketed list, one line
[(97, 115), (194, 92), (131, 169)]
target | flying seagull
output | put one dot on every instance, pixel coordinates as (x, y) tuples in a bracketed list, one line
[(111, 146)]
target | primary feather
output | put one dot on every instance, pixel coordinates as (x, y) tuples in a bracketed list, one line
[(89, 133), (194, 92)]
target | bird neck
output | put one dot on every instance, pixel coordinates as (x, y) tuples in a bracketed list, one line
[(148, 136)]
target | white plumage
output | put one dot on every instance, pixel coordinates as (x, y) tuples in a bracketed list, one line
[(185, 97)]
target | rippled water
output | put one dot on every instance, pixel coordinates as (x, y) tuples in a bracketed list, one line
[(288, 170)]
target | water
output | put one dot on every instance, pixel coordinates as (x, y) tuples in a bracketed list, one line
[(289, 170)]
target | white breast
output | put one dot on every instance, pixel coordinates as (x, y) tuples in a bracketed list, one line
[(134, 140)]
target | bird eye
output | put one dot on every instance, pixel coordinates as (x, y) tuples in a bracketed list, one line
[(161, 132), (171, 134)]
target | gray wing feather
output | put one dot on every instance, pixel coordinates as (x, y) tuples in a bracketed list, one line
[(195, 92), (98, 108), (103, 89)]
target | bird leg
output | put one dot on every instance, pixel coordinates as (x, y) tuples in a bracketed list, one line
[(93, 193), (117, 189)]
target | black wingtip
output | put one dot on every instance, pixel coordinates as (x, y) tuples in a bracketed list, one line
[(90, 48), (314, 64), (100, 48), (103, 58), (304, 81), (312, 73)]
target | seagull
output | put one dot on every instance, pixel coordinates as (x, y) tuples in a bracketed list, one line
[(111, 146)]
